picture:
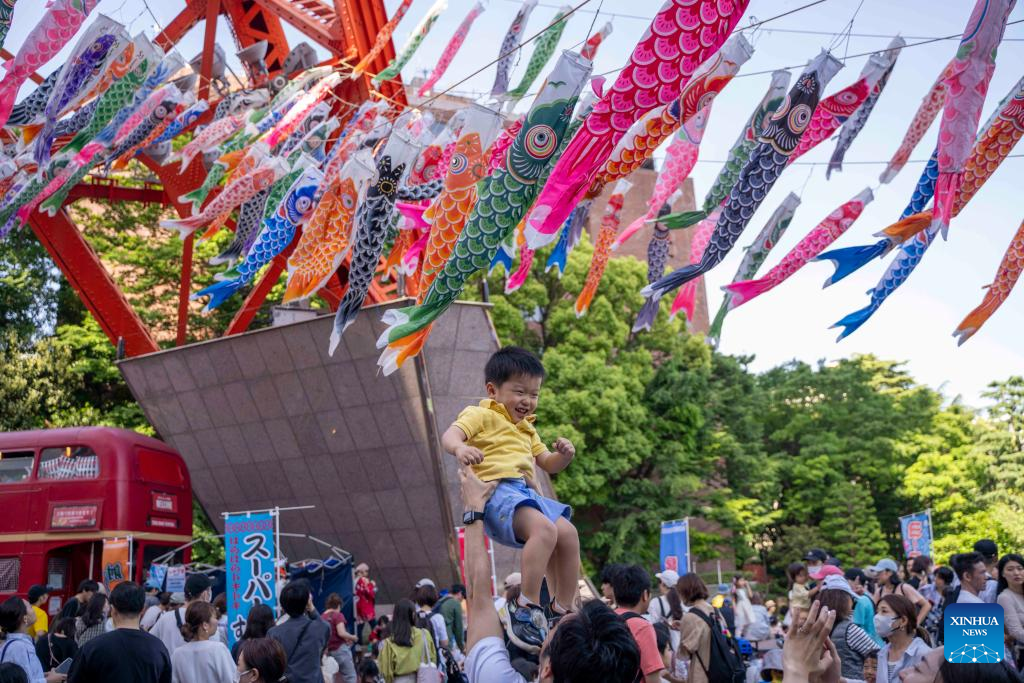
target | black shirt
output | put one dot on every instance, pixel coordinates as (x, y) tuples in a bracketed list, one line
[(52, 650), (71, 608), (124, 655), (304, 641)]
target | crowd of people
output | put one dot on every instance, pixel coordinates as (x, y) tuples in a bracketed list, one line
[(877, 624)]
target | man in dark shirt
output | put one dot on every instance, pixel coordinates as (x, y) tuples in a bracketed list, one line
[(304, 638), (127, 654), (86, 589)]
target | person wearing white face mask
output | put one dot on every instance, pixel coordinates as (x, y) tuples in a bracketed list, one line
[(906, 644)]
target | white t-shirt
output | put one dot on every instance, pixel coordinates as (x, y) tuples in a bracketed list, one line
[(488, 663), (970, 598), (659, 611), (149, 618), (169, 633), (203, 661)]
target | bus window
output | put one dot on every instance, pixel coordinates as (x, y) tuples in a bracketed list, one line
[(10, 568), (160, 468), (15, 466), (69, 462)]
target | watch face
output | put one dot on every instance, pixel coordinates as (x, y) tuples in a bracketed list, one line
[(470, 517)]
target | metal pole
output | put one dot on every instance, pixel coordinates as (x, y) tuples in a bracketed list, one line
[(689, 560), (494, 578), (719, 565), (931, 531), (92, 556), (277, 558), (131, 558)]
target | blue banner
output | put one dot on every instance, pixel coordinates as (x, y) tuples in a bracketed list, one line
[(249, 552), (917, 534), (675, 546)]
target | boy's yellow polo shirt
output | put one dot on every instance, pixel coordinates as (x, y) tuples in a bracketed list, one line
[(508, 448)]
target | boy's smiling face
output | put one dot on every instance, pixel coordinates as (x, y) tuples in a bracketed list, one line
[(518, 394)]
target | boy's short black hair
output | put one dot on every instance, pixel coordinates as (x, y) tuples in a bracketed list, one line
[(512, 361), (295, 597), (593, 644), (128, 598), (965, 562), (610, 570), (629, 584), (88, 586)]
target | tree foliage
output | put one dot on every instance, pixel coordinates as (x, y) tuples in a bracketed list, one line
[(804, 455)]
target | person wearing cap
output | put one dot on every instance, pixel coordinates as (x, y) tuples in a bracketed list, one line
[(886, 572), (510, 590), (853, 644), (37, 597), (814, 559), (990, 551), (668, 606), (168, 626)]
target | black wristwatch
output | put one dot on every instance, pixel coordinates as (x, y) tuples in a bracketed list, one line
[(470, 516)]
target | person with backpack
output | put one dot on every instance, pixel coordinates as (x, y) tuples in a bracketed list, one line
[(450, 608), (713, 657), (632, 588), (429, 619)]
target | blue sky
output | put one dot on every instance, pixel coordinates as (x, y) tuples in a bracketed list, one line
[(792, 321)]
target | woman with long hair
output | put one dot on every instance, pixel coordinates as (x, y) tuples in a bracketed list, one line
[(200, 659), (259, 621), (57, 645), (406, 647), (261, 660), (906, 642), (1010, 596), (93, 619)]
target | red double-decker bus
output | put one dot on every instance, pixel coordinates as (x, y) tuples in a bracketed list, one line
[(62, 491)]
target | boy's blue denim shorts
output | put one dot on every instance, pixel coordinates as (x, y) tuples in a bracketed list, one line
[(510, 495)]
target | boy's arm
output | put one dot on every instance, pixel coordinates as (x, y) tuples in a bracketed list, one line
[(555, 462), (454, 441), (483, 618)]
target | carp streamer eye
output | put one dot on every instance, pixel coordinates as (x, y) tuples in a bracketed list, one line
[(541, 142), (459, 163), (799, 118)]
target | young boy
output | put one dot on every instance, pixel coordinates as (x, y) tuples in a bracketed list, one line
[(498, 441)]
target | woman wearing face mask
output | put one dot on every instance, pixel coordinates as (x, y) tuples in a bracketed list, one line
[(906, 644)]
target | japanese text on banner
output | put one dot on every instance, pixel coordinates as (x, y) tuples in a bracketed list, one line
[(249, 551)]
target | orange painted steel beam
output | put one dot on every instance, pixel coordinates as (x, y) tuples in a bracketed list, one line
[(252, 23), (313, 18), (34, 76), (181, 24), (91, 281)]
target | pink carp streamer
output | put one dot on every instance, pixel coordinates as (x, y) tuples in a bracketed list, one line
[(445, 60), (966, 87), (518, 278), (815, 242), (833, 111), (686, 299), (602, 249), (54, 30), (930, 107), (679, 162), (656, 126), (996, 293), (683, 35)]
